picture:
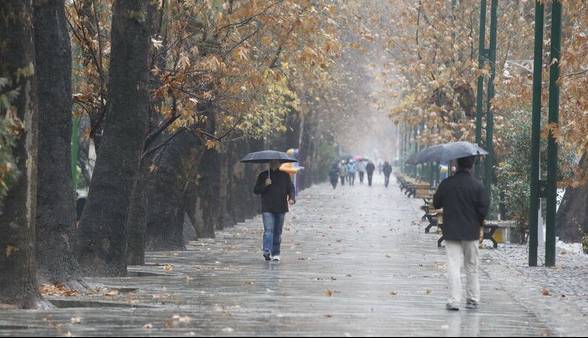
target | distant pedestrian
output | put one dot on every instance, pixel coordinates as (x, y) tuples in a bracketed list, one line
[(334, 174), (387, 170), (465, 203), (277, 191), (351, 171), (343, 172), (361, 170), (370, 168)]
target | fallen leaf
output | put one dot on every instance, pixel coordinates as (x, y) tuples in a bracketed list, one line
[(57, 290), (177, 320), (112, 293), (545, 292), (182, 319), (76, 320), (168, 267), (148, 326), (10, 249), (329, 293)]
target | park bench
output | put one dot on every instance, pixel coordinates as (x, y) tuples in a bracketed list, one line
[(418, 189), (402, 180), (412, 187), (490, 228), (433, 216)]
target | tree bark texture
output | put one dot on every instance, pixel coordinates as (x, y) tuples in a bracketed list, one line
[(175, 166), (209, 193), (136, 219), (307, 149), (103, 231), (572, 215), (18, 282), (56, 213)]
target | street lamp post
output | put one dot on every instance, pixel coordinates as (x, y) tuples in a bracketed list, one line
[(535, 134), (552, 150)]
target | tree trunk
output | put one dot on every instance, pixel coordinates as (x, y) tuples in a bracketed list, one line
[(226, 188), (209, 193), (56, 214), (251, 204), (572, 215), (174, 167), (103, 232), (136, 219), (18, 282), (306, 150)]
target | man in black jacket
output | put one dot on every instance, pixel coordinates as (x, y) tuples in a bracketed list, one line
[(465, 203), (387, 171), (276, 190), (370, 168)]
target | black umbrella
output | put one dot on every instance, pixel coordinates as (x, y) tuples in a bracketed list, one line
[(267, 156), (448, 151), (428, 153)]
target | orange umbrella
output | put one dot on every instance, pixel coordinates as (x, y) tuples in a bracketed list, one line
[(290, 168)]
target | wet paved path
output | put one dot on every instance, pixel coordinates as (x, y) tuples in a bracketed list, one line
[(356, 262)]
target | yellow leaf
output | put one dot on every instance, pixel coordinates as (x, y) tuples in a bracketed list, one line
[(152, 168), (329, 293), (10, 249), (211, 144)]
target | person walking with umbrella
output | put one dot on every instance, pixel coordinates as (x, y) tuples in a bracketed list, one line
[(277, 191), (465, 203)]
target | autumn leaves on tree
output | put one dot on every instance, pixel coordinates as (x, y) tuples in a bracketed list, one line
[(161, 83)]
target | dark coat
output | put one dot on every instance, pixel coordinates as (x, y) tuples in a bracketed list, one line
[(370, 168), (274, 197), (465, 204), (387, 169)]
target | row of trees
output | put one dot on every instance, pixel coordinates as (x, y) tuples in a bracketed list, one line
[(436, 49), (175, 92)]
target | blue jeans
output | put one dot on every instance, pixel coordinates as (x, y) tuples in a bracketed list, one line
[(272, 232)]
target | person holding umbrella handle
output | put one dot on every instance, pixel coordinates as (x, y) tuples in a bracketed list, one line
[(277, 191)]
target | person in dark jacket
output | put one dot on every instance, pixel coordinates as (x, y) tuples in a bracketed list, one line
[(370, 168), (387, 169), (277, 191), (334, 174), (465, 203)]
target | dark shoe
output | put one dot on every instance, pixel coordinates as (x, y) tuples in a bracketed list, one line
[(471, 304), (267, 256), (452, 307)]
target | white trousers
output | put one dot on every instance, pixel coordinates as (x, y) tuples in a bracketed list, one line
[(463, 253)]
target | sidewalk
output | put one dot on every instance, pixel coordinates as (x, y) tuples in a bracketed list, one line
[(355, 262)]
